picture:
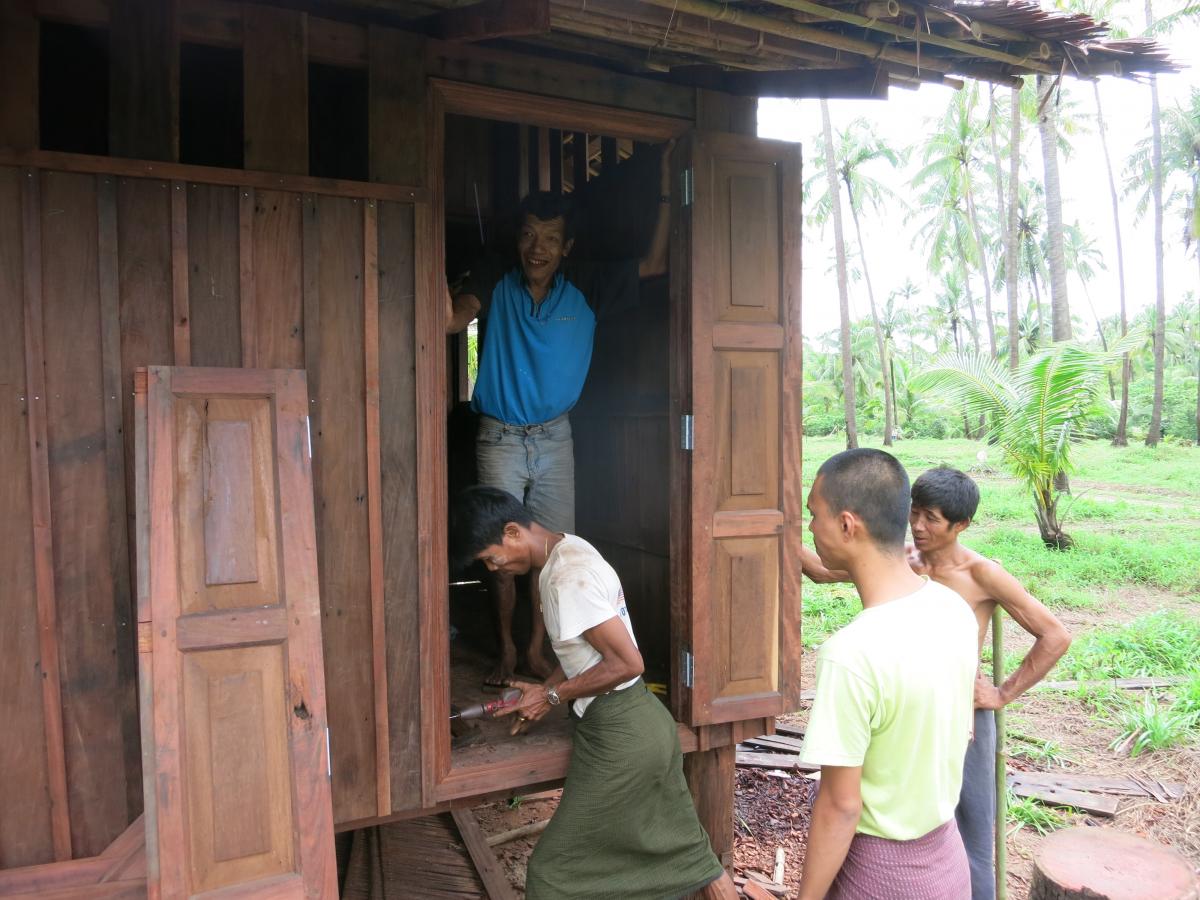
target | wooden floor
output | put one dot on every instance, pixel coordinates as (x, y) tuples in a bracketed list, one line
[(414, 858)]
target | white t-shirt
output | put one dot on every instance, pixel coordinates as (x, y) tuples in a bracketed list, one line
[(895, 695), (580, 591)]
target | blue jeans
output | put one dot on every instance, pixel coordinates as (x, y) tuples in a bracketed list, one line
[(534, 463)]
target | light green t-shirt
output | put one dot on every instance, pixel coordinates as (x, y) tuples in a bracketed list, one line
[(895, 695)]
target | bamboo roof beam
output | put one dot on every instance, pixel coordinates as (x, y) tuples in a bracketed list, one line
[(972, 50), (716, 36), (720, 12)]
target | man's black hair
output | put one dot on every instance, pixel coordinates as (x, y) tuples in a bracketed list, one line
[(874, 486), (547, 206), (948, 490), (477, 519)]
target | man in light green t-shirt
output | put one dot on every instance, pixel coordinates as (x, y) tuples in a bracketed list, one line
[(894, 702)]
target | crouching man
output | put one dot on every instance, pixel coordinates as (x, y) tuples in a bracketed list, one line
[(626, 826), (893, 708)]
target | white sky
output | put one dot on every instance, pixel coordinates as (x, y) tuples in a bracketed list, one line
[(900, 121)]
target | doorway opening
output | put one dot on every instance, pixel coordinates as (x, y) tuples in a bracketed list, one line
[(620, 424)]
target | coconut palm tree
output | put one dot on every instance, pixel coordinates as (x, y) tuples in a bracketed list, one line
[(1035, 414), (839, 242), (856, 148), (949, 163), (1060, 310), (1154, 431), (1084, 258)]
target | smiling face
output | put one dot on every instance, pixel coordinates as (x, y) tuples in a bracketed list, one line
[(931, 530), (511, 556), (542, 246)]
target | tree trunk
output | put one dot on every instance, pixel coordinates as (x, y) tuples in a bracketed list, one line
[(1002, 219), (889, 421), (966, 276), (1060, 310), (1120, 439), (1153, 434), (983, 268), (1012, 262), (835, 200), (1112, 392), (1084, 863), (1046, 511)]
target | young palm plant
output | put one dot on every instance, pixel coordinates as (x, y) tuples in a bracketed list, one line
[(1033, 414)]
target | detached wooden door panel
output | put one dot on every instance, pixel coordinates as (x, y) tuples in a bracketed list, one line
[(741, 233), (237, 785)]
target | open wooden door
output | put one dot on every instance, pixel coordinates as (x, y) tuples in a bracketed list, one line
[(234, 728), (738, 378)]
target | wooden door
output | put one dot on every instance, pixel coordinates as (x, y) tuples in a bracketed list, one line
[(234, 725), (738, 491)]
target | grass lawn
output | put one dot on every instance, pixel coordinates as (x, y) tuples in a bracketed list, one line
[(1130, 594)]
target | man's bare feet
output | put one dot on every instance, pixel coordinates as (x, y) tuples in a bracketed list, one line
[(503, 671), (537, 664)]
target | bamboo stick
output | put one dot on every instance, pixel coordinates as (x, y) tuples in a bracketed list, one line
[(937, 40), (1001, 764), (524, 831)]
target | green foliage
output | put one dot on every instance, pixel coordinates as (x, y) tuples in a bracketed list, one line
[(1035, 750), (1025, 812), (1187, 699), (1152, 727), (1160, 644), (827, 607)]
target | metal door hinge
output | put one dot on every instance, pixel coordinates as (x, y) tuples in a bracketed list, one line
[(687, 187), (687, 432), (688, 668)]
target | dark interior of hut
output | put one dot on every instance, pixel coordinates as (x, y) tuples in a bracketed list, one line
[(620, 424)]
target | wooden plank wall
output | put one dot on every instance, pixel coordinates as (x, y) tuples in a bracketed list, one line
[(109, 300)]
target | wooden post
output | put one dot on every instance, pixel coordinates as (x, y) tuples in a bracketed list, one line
[(274, 46), (19, 75), (1001, 765), (710, 775), (144, 80), (396, 105)]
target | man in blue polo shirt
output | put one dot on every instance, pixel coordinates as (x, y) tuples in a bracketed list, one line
[(541, 320)]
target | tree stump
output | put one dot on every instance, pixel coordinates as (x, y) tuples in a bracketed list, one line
[(1102, 864)]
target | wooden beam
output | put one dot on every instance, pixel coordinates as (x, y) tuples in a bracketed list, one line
[(275, 63), (19, 75), (143, 91), (710, 776), (490, 872), (493, 19), (43, 543)]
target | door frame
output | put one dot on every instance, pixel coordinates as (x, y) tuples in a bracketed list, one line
[(442, 781)]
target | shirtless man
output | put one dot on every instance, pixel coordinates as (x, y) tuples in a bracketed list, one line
[(944, 501)]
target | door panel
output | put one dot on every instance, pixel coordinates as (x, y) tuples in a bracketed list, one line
[(237, 780), (740, 238)]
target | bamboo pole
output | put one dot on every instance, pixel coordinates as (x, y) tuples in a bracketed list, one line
[(1001, 764), (937, 40)]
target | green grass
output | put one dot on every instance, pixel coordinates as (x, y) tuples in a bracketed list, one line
[(827, 607), (1025, 812), (1153, 727), (1160, 644), (1036, 750)]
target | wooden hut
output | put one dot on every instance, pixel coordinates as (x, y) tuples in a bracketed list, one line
[(280, 186)]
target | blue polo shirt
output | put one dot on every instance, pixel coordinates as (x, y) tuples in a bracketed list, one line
[(535, 356)]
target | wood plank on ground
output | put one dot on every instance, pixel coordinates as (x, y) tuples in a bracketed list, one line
[(752, 760), (1123, 785), (772, 742), (486, 864), (1097, 804)]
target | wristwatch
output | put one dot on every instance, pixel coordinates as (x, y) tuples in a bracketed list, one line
[(552, 696)]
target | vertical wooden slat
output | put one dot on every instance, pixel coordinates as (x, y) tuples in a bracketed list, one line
[(383, 787), (214, 320), (579, 160), (522, 162), (248, 292), (116, 424), (19, 75), (43, 545), (144, 79), (543, 159), (278, 280), (179, 274), (432, 498), (275, 48), (556, 160)]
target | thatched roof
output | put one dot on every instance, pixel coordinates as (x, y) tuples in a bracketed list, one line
[(797, 47)]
